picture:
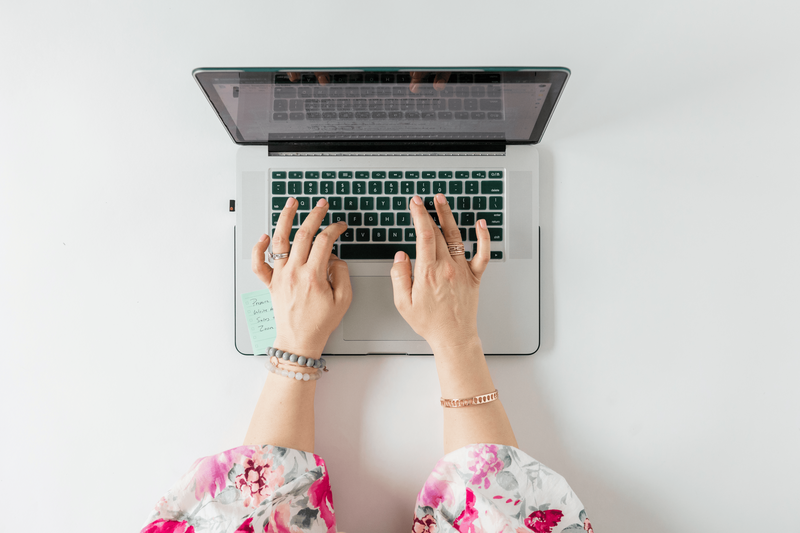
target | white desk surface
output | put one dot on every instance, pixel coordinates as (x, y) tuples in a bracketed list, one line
[(665, 389)]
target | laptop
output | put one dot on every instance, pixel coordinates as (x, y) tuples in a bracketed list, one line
[(367, 140)]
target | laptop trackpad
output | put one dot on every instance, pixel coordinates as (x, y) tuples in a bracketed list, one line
[(372, 315)]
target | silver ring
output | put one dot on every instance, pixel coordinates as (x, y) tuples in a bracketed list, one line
[(455, 249)]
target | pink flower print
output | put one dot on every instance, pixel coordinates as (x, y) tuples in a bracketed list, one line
[(587, 526), (245, 527), (258, 481), (321, 497), (212, 472), (279, 520), (483, 461), (168, 526), (426, 524), (543, 521), (464, 522)]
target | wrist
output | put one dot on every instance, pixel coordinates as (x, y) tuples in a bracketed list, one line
[(460, 348)]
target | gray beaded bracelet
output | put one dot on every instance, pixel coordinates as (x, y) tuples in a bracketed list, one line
[(296, 359), (299, 376)]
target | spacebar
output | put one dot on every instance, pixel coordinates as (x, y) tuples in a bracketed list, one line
[(375, 251)]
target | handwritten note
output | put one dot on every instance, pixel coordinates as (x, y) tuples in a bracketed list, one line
[(260, 320)]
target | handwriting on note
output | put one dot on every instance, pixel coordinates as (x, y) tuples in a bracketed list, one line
[(260, 320)]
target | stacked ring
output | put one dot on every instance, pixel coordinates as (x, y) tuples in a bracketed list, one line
[(455, 249)]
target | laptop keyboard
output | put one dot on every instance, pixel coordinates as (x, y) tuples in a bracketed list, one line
[(375, 205), (386, 96)]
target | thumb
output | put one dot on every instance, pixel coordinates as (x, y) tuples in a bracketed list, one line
[(401, 281)]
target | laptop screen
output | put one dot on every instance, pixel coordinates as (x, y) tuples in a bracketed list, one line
[(258, 106)]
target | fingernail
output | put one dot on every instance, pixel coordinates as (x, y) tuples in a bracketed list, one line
[(417, 200), (290, 202), (262, 238), (399, 256), (321, 202), (482, 223), (441, 199)]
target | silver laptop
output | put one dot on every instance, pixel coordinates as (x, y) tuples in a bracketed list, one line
[(368, 140)]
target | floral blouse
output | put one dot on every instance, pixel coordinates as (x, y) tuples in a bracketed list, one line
[(481, 488)]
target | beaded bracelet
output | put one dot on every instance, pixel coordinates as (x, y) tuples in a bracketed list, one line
[(292, 374), (294, 358)]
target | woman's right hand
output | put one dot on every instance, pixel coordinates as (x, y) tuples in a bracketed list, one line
[(441, 302)]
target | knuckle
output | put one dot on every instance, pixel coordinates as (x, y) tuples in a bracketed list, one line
[(278, 240), (302, 233), (449, 271), (425, 234)]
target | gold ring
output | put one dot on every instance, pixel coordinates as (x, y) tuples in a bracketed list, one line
[(455, 249)]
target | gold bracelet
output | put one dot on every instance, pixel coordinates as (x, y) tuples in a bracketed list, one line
[(466, 402)]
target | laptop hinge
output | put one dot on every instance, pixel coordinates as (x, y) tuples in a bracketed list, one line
[(384, 148)]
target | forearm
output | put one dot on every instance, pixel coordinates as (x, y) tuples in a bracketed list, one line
[(284, 414), (463, 373)]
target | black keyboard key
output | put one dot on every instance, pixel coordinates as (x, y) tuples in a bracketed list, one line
[(280, 175), (387, 219), (362, 234), (295, 187), (347, 236), (462, 174), (455, 217), (342, 187), (395, 174), (362, 174), (463, 232), (468, 218), (378, 174), (275, 217), (376, 251), (467, 254), (303, 203), (399, 203), (407, 187), (338, 217), (451, 202), (370, 219), (335, 250), (328, 175), (412, 174), (439, 187), (353, 219), (335, 202), (445, 174), (375, 187), (491, 187), (280, 116), (495, 174), (478, 174), (359, 187), (496, 255), (326, 187), (278, 202), (495, 202), (428, 175), (404, 219), (395, 235), (345, 174), (278, 187), (496, 234), (423, 187), (378, 234), (472, 234), (312, 174), (295, 175), (411, 235), (493, 218), (479, 202), (367, 203), (456, 187), (471, 187), (462, 202), (391, 187), (351, 203), (383, 203), (310, 187), (428, 203)]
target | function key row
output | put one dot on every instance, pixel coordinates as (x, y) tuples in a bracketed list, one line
[(383, 174)]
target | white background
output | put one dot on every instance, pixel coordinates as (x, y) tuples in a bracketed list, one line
[(665, 389)]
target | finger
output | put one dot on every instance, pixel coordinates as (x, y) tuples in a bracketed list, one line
[(293, 76), (323, 244), (425, 230), (449, 227), (481, 259), (280, 239), (261, 269), (401, 281), (323, 78), (339, 276), (305, 235), (441, 80), (416, 79)]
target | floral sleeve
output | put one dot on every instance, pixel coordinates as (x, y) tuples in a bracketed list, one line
[(249, 489), (487, 488)]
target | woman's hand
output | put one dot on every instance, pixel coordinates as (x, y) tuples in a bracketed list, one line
[(311, 288), (441, 303)]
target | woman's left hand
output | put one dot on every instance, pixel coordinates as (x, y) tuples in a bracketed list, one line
[(310, 289)]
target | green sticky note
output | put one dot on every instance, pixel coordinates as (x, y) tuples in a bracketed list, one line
[(260, 320)]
